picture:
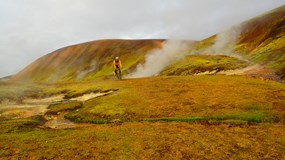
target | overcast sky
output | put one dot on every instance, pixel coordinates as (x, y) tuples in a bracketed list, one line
[(30, 29)]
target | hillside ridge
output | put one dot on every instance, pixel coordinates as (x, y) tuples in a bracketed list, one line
[(68, 63)]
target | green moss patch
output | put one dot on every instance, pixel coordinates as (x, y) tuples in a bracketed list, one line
[(203, 63), (64, 106)]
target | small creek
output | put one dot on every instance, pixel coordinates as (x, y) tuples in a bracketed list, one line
[(39, 106)]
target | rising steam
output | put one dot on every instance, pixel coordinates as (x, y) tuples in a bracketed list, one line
[(158, 59), (174, 50), (225, 42)]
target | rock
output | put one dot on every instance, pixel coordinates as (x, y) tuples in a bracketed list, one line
[(52, 127), (116, 121)]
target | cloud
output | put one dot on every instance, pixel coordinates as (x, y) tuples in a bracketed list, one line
[(30, 29)]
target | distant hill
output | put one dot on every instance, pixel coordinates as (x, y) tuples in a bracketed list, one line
[(262, 39), (7, 78), (87, 60)]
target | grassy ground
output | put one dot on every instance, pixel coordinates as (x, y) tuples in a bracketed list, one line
[(193, 117), (185, 98), (191, 98)]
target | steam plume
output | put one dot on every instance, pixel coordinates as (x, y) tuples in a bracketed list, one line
[(174, 50), (158, 59), (225, 42)]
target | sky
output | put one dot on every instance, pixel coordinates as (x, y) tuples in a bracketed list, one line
[(30, 29)]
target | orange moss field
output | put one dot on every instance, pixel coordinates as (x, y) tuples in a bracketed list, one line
[(147, 141)]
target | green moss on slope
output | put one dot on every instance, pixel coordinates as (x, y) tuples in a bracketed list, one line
[(202, 63)]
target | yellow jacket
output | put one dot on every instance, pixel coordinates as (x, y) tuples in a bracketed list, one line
[(117, 63)]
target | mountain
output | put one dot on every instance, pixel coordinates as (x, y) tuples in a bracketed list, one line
[(261, 39), (87, 60), (264, 40)]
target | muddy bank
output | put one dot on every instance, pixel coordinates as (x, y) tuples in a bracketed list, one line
[(27, 108), (30, 107), (88, 96)]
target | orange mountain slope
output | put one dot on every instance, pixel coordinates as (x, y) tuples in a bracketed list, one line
[(87, 60)]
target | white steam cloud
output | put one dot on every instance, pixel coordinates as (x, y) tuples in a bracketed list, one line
[(158, 59), (225, 41), (174, 50)]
